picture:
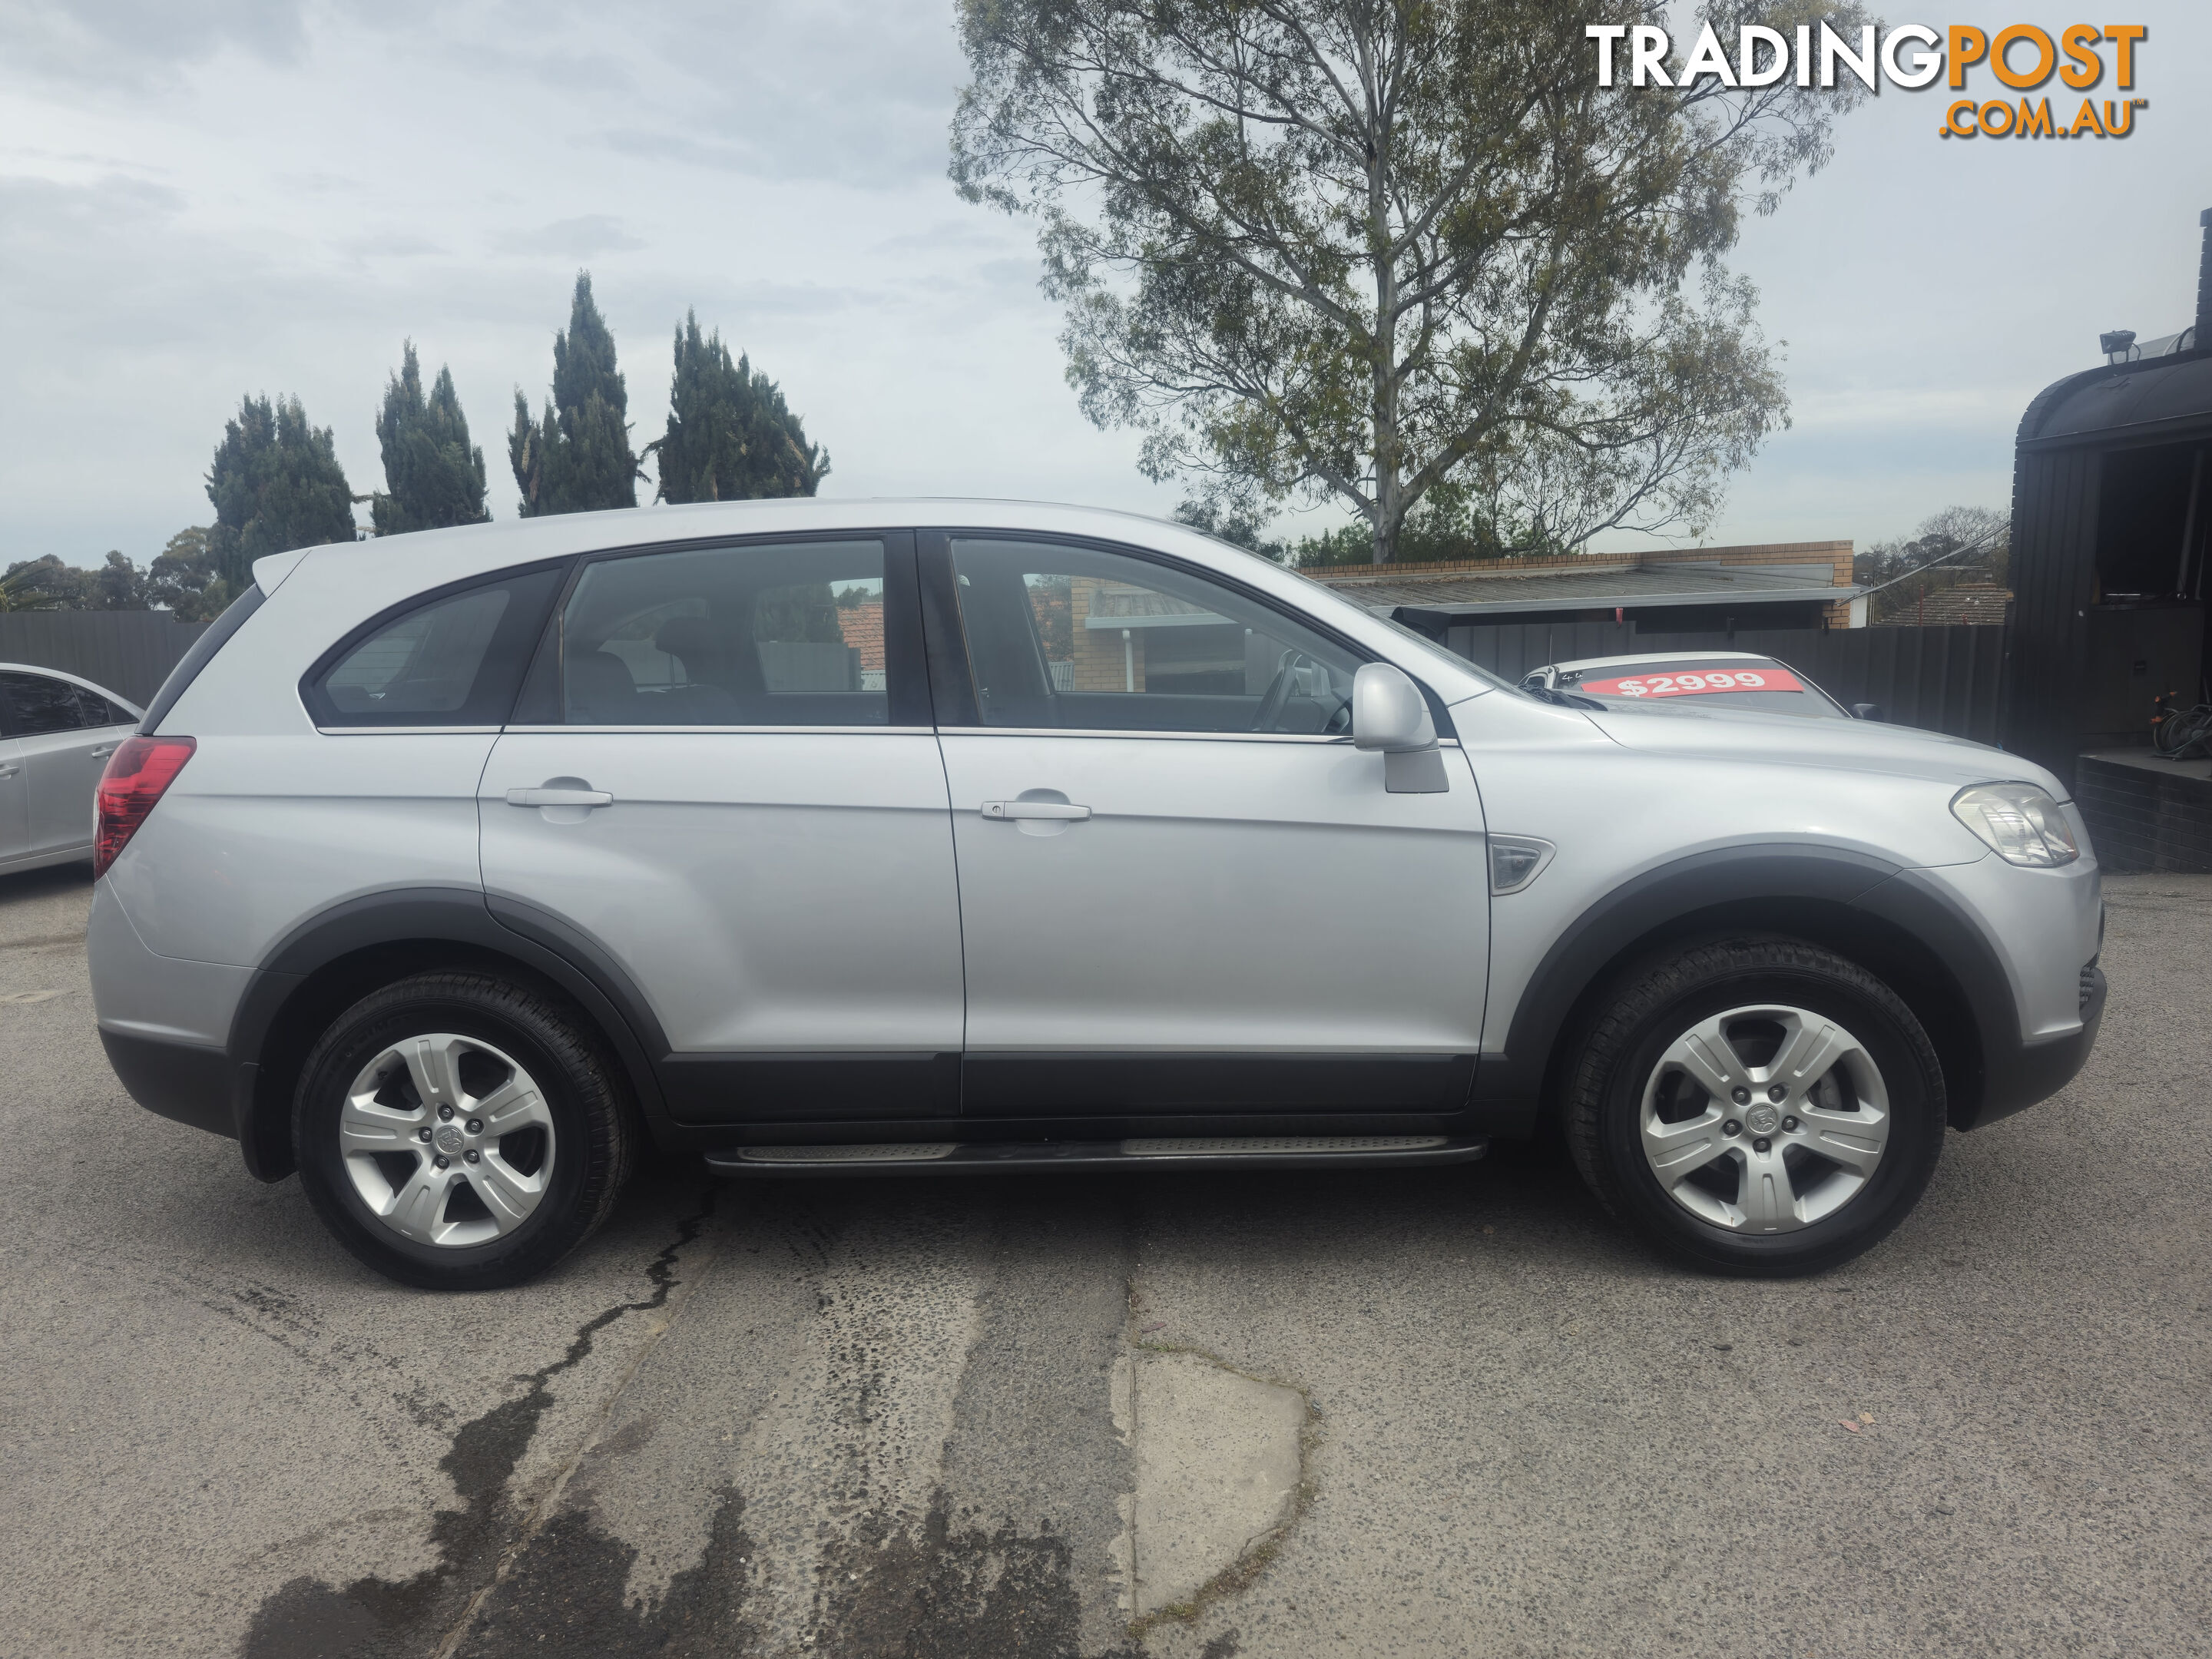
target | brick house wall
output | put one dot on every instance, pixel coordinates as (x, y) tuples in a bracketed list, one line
[(1104, 661)]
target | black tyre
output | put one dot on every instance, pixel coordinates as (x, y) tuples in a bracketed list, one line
[(1759, 1107), (458, 1132)]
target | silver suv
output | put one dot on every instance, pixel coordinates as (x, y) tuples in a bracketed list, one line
[(920, 837)]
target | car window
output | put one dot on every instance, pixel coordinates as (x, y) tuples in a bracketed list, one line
[(454, 660), (41, 704), (1765, 685), (97, 710), (1077, 639), (789, 634)]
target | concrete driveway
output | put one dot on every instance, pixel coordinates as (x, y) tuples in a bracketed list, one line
[(1453, 1412)]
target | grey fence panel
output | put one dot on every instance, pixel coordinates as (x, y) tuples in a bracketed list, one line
[(1940, 679), (128, 651)]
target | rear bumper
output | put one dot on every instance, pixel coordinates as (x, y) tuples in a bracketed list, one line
[(2024, 1073), (178, 1080)]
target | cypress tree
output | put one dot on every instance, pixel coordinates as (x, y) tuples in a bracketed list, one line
[(434, 477), (276, 484), (730, 437), (577, 458)]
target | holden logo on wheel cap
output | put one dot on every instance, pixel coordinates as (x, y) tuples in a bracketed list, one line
[(450, 1138), (1759, 1120)]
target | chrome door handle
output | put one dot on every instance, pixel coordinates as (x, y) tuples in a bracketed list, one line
[(1035, 809), (559, 797), (9, 771), (103, 751)]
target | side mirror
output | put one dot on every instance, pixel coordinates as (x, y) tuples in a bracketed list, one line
[(1389, 713), (1866, 711)]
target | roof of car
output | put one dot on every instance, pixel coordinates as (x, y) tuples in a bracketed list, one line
[(1649, 657)]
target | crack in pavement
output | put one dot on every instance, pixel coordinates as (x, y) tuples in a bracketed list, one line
[(371, 1617), (891, 1436)]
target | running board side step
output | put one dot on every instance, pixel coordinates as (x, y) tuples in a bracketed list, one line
[(1156, 1152)]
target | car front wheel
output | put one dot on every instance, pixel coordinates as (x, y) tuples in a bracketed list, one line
[(456, 1131), (1760, 1107)]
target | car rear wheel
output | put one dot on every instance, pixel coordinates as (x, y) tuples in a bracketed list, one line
[(1760, 1107), (456, 1131)]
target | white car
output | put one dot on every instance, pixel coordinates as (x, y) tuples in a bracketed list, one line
[(56, 734), (924, 837), (1737, 679)]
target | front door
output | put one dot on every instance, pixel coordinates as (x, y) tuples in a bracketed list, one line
[(735, 799), (1182, 890)]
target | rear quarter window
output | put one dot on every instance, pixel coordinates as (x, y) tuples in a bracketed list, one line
[(454, 658)]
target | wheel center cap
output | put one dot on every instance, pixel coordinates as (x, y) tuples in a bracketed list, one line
[(1761, 1119), (450, 1137)]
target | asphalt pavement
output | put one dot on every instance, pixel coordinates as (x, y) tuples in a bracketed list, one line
[(857, 1418)]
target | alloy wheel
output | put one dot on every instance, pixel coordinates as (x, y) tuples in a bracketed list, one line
[(447, 1140), (1763, 1119)]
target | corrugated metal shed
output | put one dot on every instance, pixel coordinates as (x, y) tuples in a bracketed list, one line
[(2143, 401), (2111, 506), (2061, 460), (1467, 595)]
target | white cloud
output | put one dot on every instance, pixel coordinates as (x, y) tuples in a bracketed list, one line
[(581, 238)]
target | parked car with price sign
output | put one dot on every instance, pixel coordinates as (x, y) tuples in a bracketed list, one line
[(1742, 678)]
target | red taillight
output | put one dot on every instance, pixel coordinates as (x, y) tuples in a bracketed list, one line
[(136, 774)]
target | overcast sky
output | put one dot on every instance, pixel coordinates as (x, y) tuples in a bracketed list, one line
[(199, 200)]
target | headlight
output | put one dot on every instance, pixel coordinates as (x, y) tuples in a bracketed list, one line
[(2020, 823)]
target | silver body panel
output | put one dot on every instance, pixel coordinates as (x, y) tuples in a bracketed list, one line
[(1624, 792), (140, 994), (259, 832), (766, 891), (1222, 896)]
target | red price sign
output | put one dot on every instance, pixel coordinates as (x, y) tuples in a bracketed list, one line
[(1700, 682)]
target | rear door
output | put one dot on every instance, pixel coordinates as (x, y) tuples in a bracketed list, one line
[(1182, 889), (723, 781), (66, 733), (15, 799)]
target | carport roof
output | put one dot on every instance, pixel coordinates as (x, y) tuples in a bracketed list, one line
[(1645, 586)]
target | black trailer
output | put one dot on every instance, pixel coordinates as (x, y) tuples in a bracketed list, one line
[(2110, 509)]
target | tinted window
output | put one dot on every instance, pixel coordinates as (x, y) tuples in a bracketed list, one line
[(1075, 638), (757, 636), (454, 660), (40, 704)]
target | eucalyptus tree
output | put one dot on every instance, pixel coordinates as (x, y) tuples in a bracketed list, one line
[(1403, 253)]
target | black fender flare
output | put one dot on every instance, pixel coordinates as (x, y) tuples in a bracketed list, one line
[(265, 1058), (1731, 885)]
